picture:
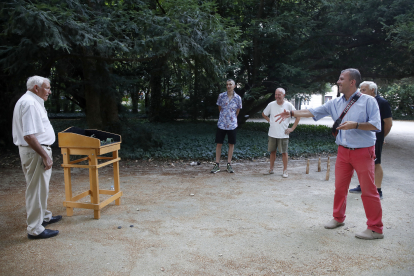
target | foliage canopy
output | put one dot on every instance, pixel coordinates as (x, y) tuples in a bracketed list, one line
[(170, 58)]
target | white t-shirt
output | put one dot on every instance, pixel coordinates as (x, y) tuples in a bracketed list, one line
[(30, 117), (277, 130)]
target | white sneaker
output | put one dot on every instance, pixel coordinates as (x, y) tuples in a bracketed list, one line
[(333, 224), (285, 174), (369, 235)]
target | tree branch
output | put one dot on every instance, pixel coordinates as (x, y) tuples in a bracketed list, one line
[(109, 59), (159, 5)]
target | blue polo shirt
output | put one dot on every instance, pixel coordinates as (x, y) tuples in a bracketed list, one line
[(364, 110)]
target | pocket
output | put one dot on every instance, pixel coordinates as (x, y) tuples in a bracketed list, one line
[(371, 152), (29, 155), (28, 159)]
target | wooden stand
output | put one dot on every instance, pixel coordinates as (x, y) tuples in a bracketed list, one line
[(76, 141)]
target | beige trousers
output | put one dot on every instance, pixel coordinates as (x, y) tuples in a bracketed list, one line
[(37, 190)]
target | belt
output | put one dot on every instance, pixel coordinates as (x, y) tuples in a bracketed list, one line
[(351, 148), (40, 144)]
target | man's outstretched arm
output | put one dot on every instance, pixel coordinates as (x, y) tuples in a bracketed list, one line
[(296, 113)]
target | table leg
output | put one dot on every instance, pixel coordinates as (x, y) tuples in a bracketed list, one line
[(68, 181), (117, 187), (94, 182)]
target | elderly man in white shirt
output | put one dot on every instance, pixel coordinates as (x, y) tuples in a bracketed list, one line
[(279, 132), (33, 134)]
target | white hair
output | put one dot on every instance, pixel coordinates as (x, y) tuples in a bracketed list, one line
[(35, 80), (281, 90), (371, 85)]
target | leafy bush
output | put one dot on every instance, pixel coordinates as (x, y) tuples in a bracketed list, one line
[(195, 140), (304, 141), (137, 136), (401, 99)]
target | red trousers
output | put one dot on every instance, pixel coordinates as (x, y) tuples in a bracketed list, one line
[(362, 161)]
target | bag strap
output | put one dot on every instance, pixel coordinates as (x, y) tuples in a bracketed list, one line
[(354, 99)]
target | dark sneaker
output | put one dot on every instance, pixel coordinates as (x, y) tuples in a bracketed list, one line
[(380, 194), (216, 168), (229, 168), (356, 190)]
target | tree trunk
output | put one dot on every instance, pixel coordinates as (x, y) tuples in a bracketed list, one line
[(256, 47), (56, 96), (101, 103), (195, 97), (134, 99), (147, 102), (156, 91), (250, 108), (92, 99), (108, 100), (109, 112)]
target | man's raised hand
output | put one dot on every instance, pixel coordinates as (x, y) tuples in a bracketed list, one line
[(282, 116)]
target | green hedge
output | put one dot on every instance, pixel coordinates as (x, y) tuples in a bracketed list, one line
[(195, 140)]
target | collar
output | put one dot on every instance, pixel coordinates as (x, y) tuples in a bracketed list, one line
[(344, 99), (234, 94), (36, 97)]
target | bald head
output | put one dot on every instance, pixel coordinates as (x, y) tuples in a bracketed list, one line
[(281, 90), (280, 95)]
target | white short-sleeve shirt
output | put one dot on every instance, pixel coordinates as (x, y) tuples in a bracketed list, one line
[(277, 130), (30, 117)]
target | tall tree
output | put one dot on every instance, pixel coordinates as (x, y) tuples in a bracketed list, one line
[(300, 44), (94, 37)]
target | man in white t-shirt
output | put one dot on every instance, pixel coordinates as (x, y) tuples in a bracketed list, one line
[(278, 133), (33, 134)]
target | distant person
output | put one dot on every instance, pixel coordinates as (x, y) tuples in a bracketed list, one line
[(229, 105), (356, 149), (370, 88), (278, 133), (34, 135)]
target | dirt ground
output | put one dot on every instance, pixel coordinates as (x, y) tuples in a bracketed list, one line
[(181, 220)]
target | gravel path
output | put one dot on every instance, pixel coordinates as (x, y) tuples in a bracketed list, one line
[(187, 221)]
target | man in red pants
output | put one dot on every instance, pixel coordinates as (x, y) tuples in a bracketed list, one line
[(356, 149)]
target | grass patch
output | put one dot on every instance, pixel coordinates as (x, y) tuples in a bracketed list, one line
[(195, 140)]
